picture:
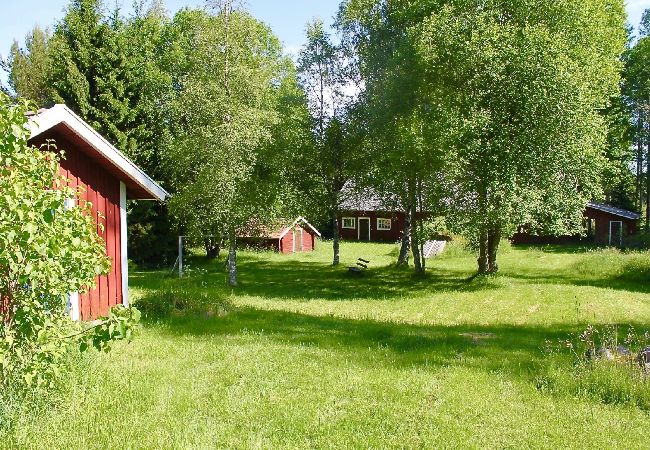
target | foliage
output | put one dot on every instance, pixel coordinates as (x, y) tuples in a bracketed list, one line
[(29, 72), (636, 90), (501, 105), (108, 70), (48, 248), (227, 172), (326, 76), (406, 154)]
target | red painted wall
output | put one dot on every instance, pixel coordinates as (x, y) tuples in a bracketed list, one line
[(287, 242), (392, 235), (308, 242), (601, 232), (102, 190)]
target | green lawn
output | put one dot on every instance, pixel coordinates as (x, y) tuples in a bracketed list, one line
[(301, 355)]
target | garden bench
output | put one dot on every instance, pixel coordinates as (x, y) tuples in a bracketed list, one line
[(362, 266)]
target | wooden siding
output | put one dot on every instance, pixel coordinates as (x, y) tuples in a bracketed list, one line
[(286, 243), (308, 242), (392, 235), (102, 190), (600, 233)]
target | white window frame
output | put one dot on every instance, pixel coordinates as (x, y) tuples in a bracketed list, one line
[(381, 228), (620, 236), (354, 223)]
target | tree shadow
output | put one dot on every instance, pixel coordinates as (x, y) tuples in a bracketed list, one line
[(311, 280), (567, 249), (516, 350), (631, 277)]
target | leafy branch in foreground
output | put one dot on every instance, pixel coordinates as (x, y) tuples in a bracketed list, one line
[(48, 249)]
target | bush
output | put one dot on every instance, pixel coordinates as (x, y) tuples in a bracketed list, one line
[(47, 249)]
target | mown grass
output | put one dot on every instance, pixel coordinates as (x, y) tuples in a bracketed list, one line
[(301, 355)]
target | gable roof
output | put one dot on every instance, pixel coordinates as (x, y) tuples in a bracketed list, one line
[(355, 198), (62, 120), (303, 221), (614, 210), (276, 230)]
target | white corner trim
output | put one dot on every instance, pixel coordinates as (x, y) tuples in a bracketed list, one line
[(73, 306), (62, 114), (124, 263)]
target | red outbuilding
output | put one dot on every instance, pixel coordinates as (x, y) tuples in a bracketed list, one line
[(604, 225), (284, 237), (108, 178)]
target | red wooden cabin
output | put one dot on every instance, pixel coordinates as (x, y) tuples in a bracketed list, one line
[(367, 216), (604, 225), (290, 237), (108, 179)]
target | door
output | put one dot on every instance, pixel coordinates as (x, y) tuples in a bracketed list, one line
[(364, 228), (616, 233), (297, 239)]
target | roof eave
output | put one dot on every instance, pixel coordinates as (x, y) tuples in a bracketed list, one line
[(60, 113)]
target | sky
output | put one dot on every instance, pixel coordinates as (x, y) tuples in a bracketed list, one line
[(287, 18)]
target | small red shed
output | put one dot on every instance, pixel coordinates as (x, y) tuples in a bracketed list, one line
[(296, 237), (604, 225), (108, 178), (609, 225)]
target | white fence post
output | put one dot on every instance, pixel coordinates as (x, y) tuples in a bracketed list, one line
[(180, 256)]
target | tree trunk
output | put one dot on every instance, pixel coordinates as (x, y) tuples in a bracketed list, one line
[(483, 252), (232, 258), (494, 239), (212, 247), (403, 259), (415, 241), (647, 188), (639, 165), (336, 238), (420, 207)]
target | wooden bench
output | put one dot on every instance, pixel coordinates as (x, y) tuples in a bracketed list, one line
[(362, 266)]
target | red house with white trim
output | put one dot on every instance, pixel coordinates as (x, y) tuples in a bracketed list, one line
[(290, 237), (108, 178)]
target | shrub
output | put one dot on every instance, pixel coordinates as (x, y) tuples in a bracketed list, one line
[(48, 248)]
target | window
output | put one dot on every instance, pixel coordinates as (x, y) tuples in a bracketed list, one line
[(383, 224), (350, 222)]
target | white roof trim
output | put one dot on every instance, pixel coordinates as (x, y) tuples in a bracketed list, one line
[(299, 219), (60, 113)]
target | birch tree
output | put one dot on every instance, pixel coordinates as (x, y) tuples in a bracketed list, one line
[(407, 153), (525, 82), (324, 76), (224, 110)]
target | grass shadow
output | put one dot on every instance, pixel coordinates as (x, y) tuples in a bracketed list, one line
[(515, 350), (311, 280)]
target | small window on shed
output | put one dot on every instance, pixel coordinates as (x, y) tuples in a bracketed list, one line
[(350, 222), (383, 224)]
